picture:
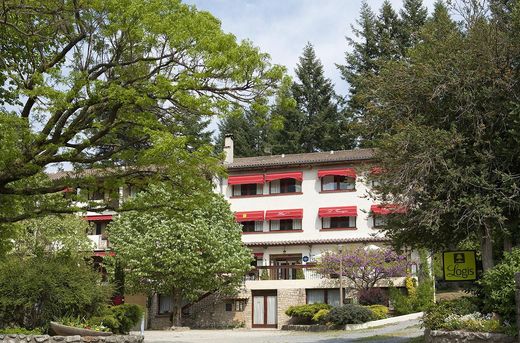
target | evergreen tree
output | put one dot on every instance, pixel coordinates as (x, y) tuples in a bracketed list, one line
[(323, 123), (244, 135), (388, 33), (413, 16)]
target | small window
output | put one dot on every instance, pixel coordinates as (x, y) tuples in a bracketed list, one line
[(379, 220), (165, 303), (97, 227), (337, 183), (247, 189), (229, 306), (240, 305), (285, 186), (338, 222), (96, 194), (285, 225), (252, 226), (323, 296)]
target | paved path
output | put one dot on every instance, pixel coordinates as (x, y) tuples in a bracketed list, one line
[(397, 333)]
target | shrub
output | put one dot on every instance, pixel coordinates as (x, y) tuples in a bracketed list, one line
[(401, 303), (372, 296), (320, 316), (34, 291), (349, 314), (475, 322), (21, 331), (378, 311), (498, 286), (305, 313), (434, 317), (119, 319)]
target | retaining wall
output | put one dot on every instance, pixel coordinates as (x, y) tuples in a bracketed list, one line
[(438, 336)]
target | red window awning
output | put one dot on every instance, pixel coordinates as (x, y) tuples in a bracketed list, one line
[(99, 218), (258, 254), (376, 170), (348, 172), (386, 209), (284, 214), (245, 179), (344, 211), (277, 176), (104, 253), (249, 216)]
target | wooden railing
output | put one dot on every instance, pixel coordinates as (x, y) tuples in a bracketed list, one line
[(284, 272)]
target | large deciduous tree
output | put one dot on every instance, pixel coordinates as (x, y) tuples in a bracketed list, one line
[(446, 122), (92, 83), (185, 245)]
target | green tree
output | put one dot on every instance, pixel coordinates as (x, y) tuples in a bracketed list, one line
[(413, 16), (447, 129), (186, 245), (323, 126), (388, 33), (94, 83)]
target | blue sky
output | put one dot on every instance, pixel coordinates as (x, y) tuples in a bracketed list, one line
[(283, 27)]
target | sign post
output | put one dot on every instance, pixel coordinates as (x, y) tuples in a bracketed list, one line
[(459, 265)]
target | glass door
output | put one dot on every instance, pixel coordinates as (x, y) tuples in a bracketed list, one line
[(265, 311)]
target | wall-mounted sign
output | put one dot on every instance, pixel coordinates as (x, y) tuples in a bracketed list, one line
[(459, 265), (305, 259)]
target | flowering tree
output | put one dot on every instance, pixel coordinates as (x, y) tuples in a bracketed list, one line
[(364, 267)]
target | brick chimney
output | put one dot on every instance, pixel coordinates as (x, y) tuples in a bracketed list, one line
[(228, 149)]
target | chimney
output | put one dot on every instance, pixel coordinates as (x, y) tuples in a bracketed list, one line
[(228, 149)]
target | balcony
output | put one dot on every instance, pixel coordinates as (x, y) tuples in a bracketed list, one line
[(100, 242), (284, 272)]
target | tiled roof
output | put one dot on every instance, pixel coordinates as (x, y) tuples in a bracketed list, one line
[(307, 158), (319, 241)]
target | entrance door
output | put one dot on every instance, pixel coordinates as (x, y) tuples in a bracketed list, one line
[(265, 309)]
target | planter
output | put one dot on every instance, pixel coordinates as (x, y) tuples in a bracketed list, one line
[(65, 330), (439, 336)]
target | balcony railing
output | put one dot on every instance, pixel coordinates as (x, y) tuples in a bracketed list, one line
[(284, 272), (100, 242)]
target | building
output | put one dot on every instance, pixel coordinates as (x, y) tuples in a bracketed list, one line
[(293, 208)]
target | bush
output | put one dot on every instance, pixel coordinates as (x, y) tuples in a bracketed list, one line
[(435, 316), (372, 296), (118, 319), (378, 311), (498, 286), (305, 313), (21, 331), (474, 322), (320, 316), (349, 314), (34, 291)]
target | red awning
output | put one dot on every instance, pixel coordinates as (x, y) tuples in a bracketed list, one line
[(284, 214), (245, 179), (348, 172), (345, 211), (258, 254), (277, 176), (387, 209), (376, 170), (249, 216), (98, 218)]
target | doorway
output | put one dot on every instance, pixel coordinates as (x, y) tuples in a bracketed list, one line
[(265, 313)]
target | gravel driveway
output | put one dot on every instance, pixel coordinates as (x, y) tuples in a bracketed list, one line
[(397, 333)]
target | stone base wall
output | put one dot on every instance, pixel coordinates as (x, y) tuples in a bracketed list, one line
[(211, 312), (71, 339), (438, 336), (157, 321), (286, 298)]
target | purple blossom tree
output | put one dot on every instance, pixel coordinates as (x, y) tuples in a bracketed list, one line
[(364, 267)]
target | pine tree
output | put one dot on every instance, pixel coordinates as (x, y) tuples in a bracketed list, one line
[(323, 123), (244, 135), (388, 33), (413, 16)]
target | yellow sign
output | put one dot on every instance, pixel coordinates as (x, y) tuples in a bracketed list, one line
[(459, 265)]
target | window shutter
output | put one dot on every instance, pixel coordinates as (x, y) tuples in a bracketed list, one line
[(297, 224), (259, 188), (328, 183), (352, 221), (237, 190), (259, 226), (275, 225), (275, 186)]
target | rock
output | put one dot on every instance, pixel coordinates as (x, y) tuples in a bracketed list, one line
[(73, 339), (58, 338), (41, 338)]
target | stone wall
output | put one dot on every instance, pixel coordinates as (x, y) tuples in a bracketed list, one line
[(286, 298), (438, 336), (71, 339), (157, 321), (210, 312)]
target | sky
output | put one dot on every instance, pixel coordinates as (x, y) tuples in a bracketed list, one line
[(283, 27)]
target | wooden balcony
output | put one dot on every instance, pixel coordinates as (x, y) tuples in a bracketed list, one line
[(284, 272)]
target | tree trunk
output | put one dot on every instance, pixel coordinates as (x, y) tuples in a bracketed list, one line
[(508, 244), (176, 307), (486, 247)]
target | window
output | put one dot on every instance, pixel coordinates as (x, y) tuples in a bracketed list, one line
[(285, 225), (323, 296), (96, 194), (285, 186), (165, 303), (338, 222), (229, 307), (252, 226), (97, 227), (247, 189), (379, 220), (337, 183)]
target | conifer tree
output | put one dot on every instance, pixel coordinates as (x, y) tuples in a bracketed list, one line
[(413, 16), (388, 33)]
